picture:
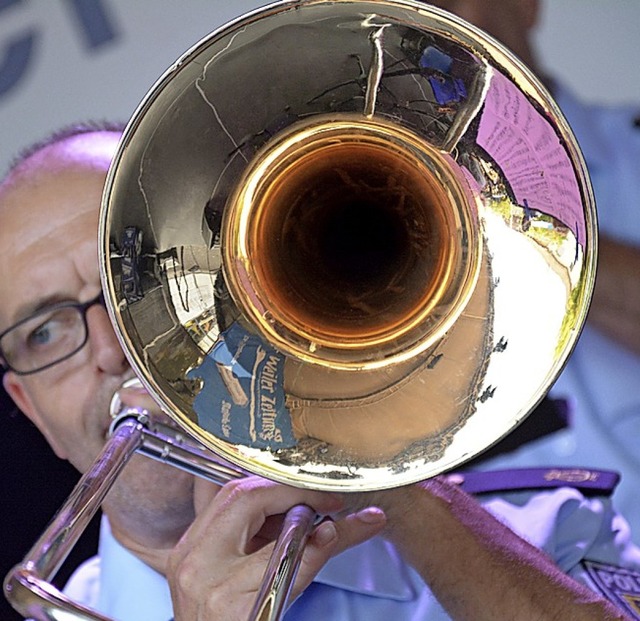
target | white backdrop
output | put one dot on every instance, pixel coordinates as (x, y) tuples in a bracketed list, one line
[(63, 61)]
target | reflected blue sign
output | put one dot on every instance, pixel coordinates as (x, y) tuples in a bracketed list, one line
[(242, 399)]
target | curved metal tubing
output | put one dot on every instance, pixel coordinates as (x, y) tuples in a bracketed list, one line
[(28, 586), (283, 564)]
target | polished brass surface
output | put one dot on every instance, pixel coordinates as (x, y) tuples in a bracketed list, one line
[(348, 245)]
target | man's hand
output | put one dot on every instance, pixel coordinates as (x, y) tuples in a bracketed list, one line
[(216, 570)]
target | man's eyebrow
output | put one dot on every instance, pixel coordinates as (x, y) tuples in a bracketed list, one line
[(34, 306)]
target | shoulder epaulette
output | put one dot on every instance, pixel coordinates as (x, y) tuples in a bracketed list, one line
[(590, 482)]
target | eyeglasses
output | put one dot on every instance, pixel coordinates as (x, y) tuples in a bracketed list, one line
[(47, 337)]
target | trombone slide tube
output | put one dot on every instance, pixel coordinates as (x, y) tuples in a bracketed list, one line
[(283, 564), (28, 586), (186, 456), (285, 559)]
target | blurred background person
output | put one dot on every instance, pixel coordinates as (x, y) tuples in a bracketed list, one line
[(601, 379)]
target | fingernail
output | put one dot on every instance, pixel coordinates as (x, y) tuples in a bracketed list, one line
[(371, 515), (326, 533)]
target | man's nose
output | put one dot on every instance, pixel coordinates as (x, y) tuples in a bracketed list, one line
[(105, 347)]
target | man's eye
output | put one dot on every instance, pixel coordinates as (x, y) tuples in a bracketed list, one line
[(53, 330), (43, 335)]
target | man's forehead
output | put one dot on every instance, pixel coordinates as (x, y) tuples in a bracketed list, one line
[(48, 230), (50, 261), (39, 193)]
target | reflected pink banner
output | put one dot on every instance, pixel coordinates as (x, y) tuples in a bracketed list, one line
[(523, 143)]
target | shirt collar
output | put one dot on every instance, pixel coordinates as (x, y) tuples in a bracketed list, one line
[(124, 578)]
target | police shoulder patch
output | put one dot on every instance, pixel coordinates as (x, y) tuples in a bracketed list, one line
[(620, 586)]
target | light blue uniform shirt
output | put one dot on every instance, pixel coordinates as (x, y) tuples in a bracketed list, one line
[(601, 379), (371, 581)]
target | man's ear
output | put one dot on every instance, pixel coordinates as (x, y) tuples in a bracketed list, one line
[(14, 385)]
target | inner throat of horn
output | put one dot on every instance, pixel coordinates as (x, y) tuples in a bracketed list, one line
[(350, 240), (355, 243)]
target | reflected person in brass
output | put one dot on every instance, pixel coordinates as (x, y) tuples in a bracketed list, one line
[(443, 555), (600, 379)]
